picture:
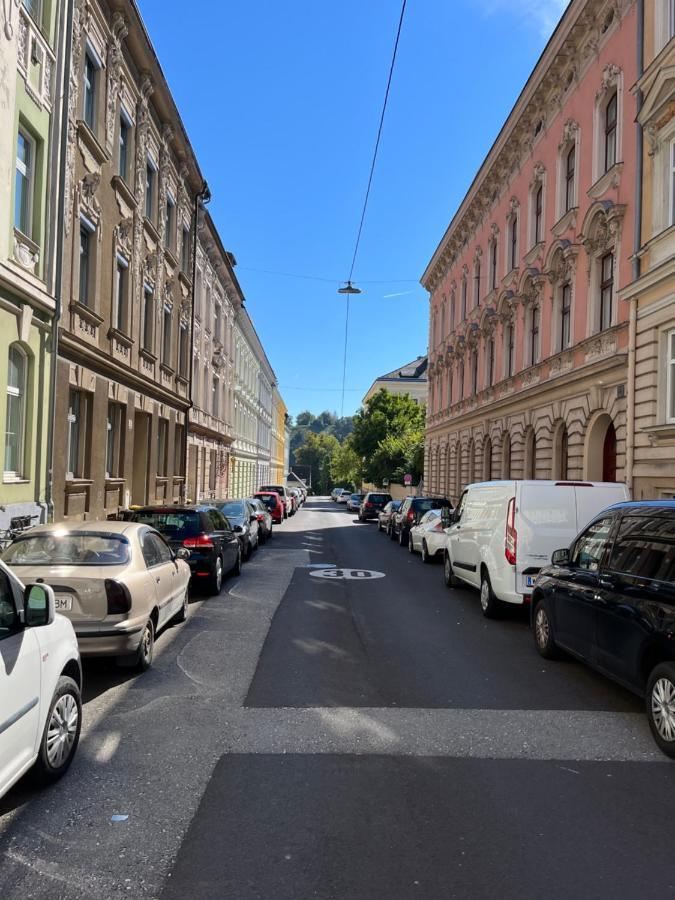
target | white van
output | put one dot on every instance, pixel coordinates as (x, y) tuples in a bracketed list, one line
[(503, 532)]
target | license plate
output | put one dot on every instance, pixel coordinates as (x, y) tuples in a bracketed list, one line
[(530, 580), (63, 603)]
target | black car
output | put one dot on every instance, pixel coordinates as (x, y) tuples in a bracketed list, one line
[(214, 547), (610, 601), (411, 511), (244, 520), (385, 516), (372, 504)]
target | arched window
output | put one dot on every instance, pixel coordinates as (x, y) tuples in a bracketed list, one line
[(564, 454), (487, 459), (531, 455), (15, 419), (609, 454)]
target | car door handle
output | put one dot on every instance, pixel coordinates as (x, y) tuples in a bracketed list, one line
[(158, 579), (607, 583)]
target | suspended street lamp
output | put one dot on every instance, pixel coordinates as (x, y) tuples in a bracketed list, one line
[(349, 288)]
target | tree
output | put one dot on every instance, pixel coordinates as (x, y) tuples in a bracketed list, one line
[(325, 423), (345, 465), (388, 436), (317, 451)]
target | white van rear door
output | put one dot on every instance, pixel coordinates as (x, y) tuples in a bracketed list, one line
[(593, 498), (546, 520)]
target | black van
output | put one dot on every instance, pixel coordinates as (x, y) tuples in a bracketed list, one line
[(610, 600)]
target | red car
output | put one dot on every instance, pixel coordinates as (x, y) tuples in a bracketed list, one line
[(274, 503)]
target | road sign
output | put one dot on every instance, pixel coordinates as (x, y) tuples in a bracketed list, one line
[(407, 479), (385, 482)]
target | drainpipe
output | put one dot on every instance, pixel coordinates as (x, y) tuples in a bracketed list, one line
[(201, 198), (636, 262), (59, 245)]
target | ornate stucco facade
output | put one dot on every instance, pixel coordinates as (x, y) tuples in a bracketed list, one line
[(278, 471), (651, 295), (124, 353), (528, 340), (218, 299)]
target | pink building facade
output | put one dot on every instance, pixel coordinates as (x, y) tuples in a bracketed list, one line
[(527, 337)]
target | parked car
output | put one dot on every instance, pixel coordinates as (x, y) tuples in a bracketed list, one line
[(503, 532), (264, 518), (411, 511), (119, 583), (274, 504), (40, 683), (610, 601), (372, 504), (244, 521), (335, 493), (428, 536), (343, 496), (282, 492), (354, 502), (205, 532), (385, 516), (295, 500)]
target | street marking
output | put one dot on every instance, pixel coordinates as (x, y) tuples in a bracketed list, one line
[(347, 574), (319, 566)]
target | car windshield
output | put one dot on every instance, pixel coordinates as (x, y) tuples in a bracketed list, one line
[(68, 549), (233, 508), (173, 525)]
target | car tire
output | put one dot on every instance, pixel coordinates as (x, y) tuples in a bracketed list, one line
[(61, 732), (262, 538), (215, 579), (425, 553), (146, 648), (392, 533), (660, 706), (490, 605), (181, 615), (411, 545), (249, 550), (401, 538), (542, 627), (449, 577), (379, 525), (236, 568)]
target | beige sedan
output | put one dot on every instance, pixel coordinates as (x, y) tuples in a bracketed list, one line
[(119, 583)]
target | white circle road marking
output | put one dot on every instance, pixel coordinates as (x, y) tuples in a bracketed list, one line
[(347, 574)]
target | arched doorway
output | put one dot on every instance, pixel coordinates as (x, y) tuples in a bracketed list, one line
[(531, 455), (487, 459), (609, 454), (506, 456), (601, 450), (471, 474)]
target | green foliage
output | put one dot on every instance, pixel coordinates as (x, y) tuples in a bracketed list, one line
[(345, 467), (317, 451), (325, 423), (388, 437)]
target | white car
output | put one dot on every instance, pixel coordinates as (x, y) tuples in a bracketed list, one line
[(343, 496), (40, 683), (335, 493), (428, 536), (503, 532)]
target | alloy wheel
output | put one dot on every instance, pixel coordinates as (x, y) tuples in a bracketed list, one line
[(219, 575), (484, 594), (663, 708), (542, 629), (146, 644), (62, 730)]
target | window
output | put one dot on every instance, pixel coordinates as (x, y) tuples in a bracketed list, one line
[(570, 164), (474, 372), (115, 441), (217, 320), (493, 265), (178, 450), (509, 350), (671, 179), (215, 397), (185, 252), (85, 264), (670, 376), (452, 311), (513, 242), (592, 545), (78, 415), (123, 147), (120, 298), (34, 9), (15, 418), (166, 336), (564, 454), (162, 443), (148, 312), (150, 173), (170, 222), (461, 380), (23, 192), (610, 132), (645, 548), (490, 374), (90, 78), (534, 335), (538, 214), (450, 385), (606, 290), (442, 322), (464, 289), (476, 283), (183, 349), (565, 315)]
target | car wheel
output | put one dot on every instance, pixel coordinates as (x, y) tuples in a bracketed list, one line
[(236, 568), (262, 537), (215, 581), (62, 731), (449, 576), (379, 525), (543, 632), (392, 533), (488, 602), (425, 553), (411, 545), (181, 615), (660, 705), (401, 538), (146, 648)]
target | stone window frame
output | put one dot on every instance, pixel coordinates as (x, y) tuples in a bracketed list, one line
[(533, 332), (512, 238), (664, 23), (125, 118), (93, 293), (148, 321), (537, 187), (601, 238), (92, 56), (21, 392), (27, 172), (151, 165), (115, 439), (120, 323), (79, 423), (571, 140), (171, 222), (477, 267), (612, 84), (167, 336), (666, 374)]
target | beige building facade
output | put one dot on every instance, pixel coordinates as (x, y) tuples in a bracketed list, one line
[(278, 471), (124, 351), (410, 379)]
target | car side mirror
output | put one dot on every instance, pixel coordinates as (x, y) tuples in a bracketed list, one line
[(561, 557), (182, 553), (39, 605), (253, 519), (238, 529)]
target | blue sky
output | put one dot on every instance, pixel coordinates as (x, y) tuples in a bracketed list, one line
[(282, 101)]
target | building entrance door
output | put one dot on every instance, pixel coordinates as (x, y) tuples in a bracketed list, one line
[(609, 455), (139, 486)]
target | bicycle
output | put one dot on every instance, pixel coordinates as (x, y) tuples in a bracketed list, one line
[(18, 525)]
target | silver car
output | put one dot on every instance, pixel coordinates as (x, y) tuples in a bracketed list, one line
[(119, 583)]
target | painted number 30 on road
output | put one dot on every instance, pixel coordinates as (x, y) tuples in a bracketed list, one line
[(347, 574)]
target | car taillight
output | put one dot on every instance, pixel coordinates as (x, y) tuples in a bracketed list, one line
[(260, 517), (203, 541), (411, 515), (369, 505), (511, 539), (118, 596), (438, 526)]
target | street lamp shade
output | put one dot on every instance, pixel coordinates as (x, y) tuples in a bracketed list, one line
[(349, 288)]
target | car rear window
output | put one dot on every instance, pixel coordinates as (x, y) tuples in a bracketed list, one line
[(379, 498), (269, 500), (645, 547), (428, 503), (233, 508), (68, 549), (173, 525), (275, 488)]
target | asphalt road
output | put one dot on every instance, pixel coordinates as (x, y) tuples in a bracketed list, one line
[(311, 737)]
